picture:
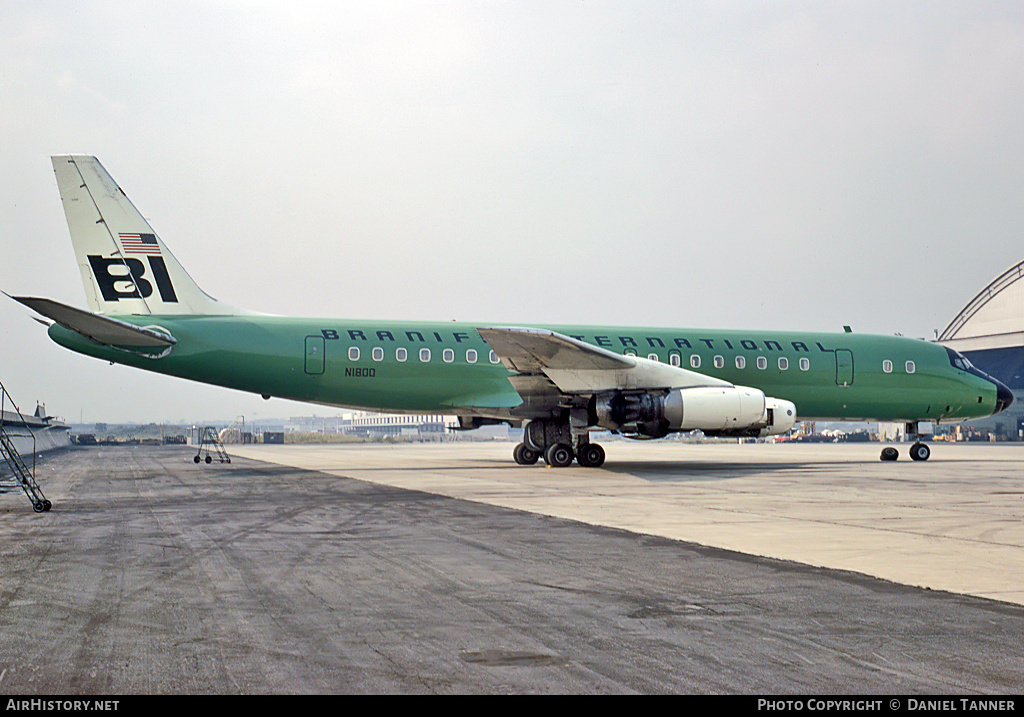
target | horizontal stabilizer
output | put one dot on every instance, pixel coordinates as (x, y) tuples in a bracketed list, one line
[(102, 329)]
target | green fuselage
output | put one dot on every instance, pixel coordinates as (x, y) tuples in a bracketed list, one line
[(358, 364)]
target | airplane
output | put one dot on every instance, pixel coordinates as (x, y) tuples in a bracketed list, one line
[(559, 382)]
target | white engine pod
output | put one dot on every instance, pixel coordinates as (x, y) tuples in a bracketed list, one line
[(780, 416), (714, 408)]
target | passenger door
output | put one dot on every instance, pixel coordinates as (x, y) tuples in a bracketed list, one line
[(314, 355), (844, 367)]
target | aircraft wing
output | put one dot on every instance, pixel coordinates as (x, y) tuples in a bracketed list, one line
[(566, 365), (102, 329)]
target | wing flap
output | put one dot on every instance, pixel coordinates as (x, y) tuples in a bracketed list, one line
[(101, 329), (532, 350), (576, 367)]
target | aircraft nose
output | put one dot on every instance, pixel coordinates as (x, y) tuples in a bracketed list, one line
[(1004, 396)]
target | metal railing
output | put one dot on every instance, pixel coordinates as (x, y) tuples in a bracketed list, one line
[(23, 475)]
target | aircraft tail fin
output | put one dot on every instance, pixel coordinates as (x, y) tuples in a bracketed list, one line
[(125, 266)]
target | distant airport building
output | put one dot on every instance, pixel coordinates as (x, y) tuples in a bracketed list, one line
[(317, 424), (376, 425), (392, 424), (990, 332)]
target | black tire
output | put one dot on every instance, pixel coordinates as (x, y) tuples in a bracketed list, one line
[(920, 452), (196, 459), (890, 454), (209, 460), (559, 455), (524, 455), (517, 454), (590, 456)]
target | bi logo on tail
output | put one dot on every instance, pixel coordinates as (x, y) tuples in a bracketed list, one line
[(124, 278)]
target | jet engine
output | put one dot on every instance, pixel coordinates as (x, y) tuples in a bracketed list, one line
[(715, 410)]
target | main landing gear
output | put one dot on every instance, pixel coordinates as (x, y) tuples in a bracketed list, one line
[(558, 444), (918, 452)]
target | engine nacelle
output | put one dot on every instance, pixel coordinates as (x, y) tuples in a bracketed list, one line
[(715, 410), (780, 417)]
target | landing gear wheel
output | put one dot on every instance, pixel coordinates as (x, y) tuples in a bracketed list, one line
[(920, 452), (558, 455), (38, 506), (524, 455), (47, 505), (590, 456), (197, 459), (209, 460), (890, 454)]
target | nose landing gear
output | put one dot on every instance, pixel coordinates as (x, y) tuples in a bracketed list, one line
[(918, 452)]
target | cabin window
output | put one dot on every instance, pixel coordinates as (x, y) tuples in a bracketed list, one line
[(493, 357), (470, 355), (741, 362), (887, 366), (911, 367), (805, 364), (719, 362), (653, 357), (675, 359), (448, 355), (424, 355), (377, 353), (762, 363), (353, 353), (401, 354), (629, 352), (695, 361), (783, 363)]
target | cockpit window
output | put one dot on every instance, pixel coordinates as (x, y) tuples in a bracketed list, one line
[(959, 360)]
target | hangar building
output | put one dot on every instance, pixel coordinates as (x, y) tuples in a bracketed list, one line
[(990, 332)]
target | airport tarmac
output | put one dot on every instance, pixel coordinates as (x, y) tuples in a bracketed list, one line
[(955, 522), (448, 569)]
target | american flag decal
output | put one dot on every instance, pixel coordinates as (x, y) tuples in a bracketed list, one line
[(139, 243)]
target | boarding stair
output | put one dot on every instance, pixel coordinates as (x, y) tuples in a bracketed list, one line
[(24, 477), (209, 440)]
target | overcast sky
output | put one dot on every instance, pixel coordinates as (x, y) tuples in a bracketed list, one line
[(776, 165)]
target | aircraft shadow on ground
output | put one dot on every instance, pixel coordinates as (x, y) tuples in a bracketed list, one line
[(693, 471)]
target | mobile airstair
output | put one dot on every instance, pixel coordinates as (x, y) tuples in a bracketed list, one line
[(23, 476), (209, 440)]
